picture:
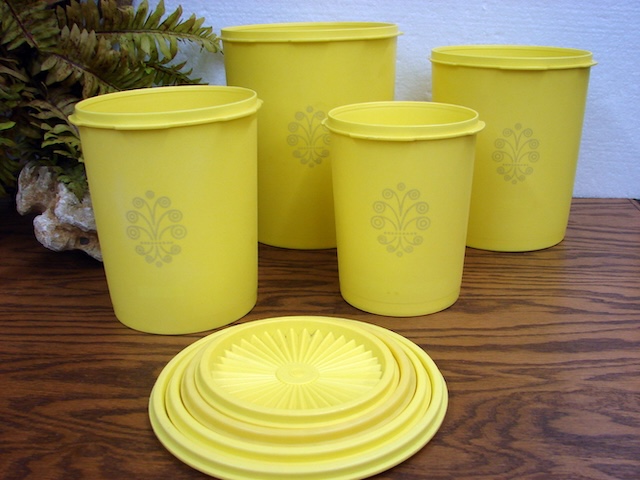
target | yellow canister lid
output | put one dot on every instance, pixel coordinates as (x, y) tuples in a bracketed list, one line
[(512, 57), (165, 107), (309, 32), (403, 121), (298, 397)]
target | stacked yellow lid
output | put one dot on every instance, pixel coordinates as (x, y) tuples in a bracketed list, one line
[(300, 398)]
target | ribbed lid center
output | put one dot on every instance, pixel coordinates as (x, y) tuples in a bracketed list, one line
[(297, 374)]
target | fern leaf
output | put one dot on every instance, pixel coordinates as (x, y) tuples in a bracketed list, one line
[(86, 58), (140, 35), (172, 22), (153, 20), (173, 75), (9, 166), (73, 176), (8, 170), (86, 15), (27, 22), (162, 35), (55, 108), (6, 125), (55, 52), (13, 80), (6, 71)]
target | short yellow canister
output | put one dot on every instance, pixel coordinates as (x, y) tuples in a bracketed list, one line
[(402, 182)]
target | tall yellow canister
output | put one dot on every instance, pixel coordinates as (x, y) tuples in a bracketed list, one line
[(533, 101), (172, 174), (301, 71)]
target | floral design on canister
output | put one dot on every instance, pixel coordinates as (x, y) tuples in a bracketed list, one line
[(309, 137), (155, 227), (401, 217), (516, 152)]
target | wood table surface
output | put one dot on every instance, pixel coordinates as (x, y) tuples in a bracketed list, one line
[(541, 354)]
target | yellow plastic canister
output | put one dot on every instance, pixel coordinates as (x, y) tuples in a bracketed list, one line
[(402, 182), (172, 174), (301, 71), (532, 100)]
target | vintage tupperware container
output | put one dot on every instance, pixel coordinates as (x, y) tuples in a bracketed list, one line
[(301, 71), (532, 99), (172, 174), (402, 182)]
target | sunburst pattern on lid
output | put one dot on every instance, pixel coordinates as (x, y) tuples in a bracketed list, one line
[(296, 370), (298, 398)]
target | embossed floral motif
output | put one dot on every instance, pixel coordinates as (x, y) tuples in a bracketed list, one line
[(155, 228), (309, 137), (516, 152), (401, 216)]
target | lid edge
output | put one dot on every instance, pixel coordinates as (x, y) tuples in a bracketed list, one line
[(406, 133), (480, 56), (305, 32), (163, 120)]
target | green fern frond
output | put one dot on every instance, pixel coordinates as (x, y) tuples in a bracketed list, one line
[(53, 120), (58, 106), (27, 22), (15, 133), (145, 34), (54, 53), (173, 75), (13, 80), (73, 176), (9, 166), (63, 139), (85, 58)]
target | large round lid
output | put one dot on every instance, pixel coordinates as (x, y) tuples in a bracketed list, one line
[(298, 398), (309, 32), (512, 57), (165, 107)]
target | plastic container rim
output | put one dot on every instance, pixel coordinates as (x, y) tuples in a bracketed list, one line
[(309, 32), (240, 102), (512, 57), (468, 124)]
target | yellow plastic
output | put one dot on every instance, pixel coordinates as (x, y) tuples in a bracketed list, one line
[(532, 100), (402, 182), (298, 398), (301, 71), (172, 173)]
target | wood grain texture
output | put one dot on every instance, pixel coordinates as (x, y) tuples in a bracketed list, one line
[(541, 354)]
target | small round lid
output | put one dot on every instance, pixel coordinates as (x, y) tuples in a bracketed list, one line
[(403, 121), (298, 397)]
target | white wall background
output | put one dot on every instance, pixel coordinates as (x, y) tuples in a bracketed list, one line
[(609, 164)]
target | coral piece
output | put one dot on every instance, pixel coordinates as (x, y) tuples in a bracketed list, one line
[(64, 223)]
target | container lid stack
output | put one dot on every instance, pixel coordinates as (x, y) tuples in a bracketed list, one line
[(303, 397)]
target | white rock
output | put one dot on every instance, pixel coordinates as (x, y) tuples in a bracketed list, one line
[(64, 223)]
